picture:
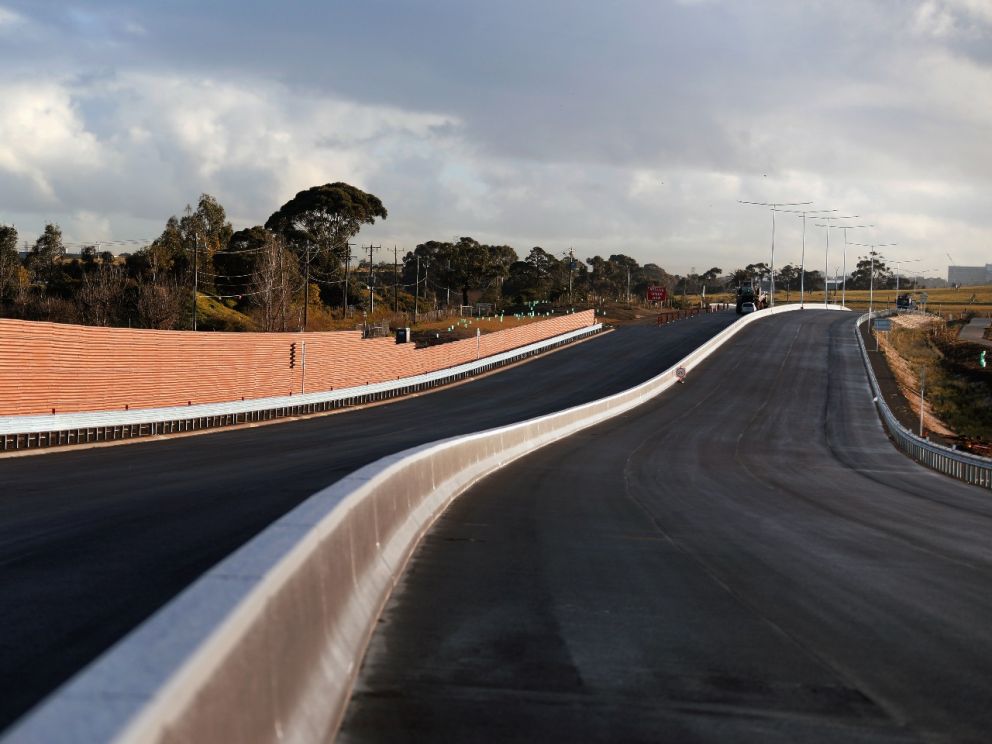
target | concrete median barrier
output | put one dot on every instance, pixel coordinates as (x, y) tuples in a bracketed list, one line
[(265, 646)]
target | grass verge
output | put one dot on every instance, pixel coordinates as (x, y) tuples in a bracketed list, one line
[(957, 390)]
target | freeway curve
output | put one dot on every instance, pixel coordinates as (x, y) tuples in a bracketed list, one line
[(745, 558), (93, 541)]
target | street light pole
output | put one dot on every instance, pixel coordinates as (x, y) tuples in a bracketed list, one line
[(902, 261), (845, 228), (826, 253), (802, 258), (871, 274), (773, 206)]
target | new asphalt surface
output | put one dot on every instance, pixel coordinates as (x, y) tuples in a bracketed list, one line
[(93, 541), (745, 559)]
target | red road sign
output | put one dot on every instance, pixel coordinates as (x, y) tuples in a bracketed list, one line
[(657, 294)]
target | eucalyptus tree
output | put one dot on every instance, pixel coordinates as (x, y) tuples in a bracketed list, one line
[(10, 262), (46, 254), (320, 221)]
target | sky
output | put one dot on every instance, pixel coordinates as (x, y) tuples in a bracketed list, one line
[(624, 126)]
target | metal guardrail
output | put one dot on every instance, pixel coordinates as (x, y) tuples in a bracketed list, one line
[(53, 430), (961, 465)]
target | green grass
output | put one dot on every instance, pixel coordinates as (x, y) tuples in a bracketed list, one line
[(213, 315)]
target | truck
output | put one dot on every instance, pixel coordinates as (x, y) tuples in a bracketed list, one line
[(747, 294)]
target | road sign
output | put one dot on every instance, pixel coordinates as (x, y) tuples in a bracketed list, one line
[(680, 373), (883, 324), (657, 294)]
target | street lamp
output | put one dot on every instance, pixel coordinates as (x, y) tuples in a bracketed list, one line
[(871, 274), (773, 206), (802, 258), (826, 253), (845, 228), (902, 261)]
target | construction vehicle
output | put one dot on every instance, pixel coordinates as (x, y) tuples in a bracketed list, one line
[(747, 294)]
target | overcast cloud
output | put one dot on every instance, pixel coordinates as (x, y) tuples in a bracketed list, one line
[(625, 127)]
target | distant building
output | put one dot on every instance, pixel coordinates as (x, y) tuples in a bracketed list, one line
[(966, 275)]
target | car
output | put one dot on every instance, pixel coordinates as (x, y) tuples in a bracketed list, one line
[(747, 307)]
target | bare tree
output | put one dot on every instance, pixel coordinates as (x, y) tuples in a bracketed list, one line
[(159, 304), (101, 295), (275, 280)]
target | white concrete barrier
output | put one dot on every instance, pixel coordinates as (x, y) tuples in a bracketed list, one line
[(265, 646)]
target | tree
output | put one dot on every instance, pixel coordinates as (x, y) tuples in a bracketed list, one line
[(204, 230), (863, 277), (523, 283), (167, 253), (788, 277), (46, 254), (708, 277), (318, 224), (159, 304), (625, 272), (739, 278), (466, 265), (10, 262), (813, 281), (275, 281), (210, 225), (236, 263), (102, 294), (758, 271)]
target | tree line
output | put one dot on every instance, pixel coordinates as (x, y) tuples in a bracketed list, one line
[(302, 268)]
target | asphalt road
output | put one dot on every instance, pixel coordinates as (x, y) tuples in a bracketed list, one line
[(746, 559), (94, 541)]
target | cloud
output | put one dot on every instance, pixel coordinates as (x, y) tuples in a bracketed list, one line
[(946, 19), (41, 132), (9, 19), (164, 139), (625, 127)]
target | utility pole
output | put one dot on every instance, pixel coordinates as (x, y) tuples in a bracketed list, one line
[(396, 280), (372, 280), (416, 301), (196, 253), (347, 277), (306, 290), (571, 265)]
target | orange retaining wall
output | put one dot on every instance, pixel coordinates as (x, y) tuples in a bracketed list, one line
[(68, 368)]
